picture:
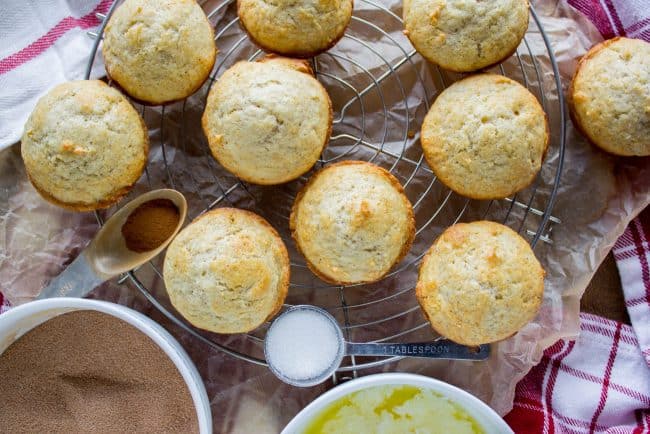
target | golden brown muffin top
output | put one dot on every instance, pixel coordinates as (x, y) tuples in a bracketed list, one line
[(268, 122), (227, 272), (479, 283), (465, 35), (609, 96), (352, 222), (159, 51), (84, 145), (485, 136), (295, 28)]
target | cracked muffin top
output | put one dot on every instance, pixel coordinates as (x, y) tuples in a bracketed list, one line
[(159, 51), (485, 136), (267, 122), (227, 271), (609, 96), (465, 35), (84, 145), (352, 222), (480, 282), (295, 28)]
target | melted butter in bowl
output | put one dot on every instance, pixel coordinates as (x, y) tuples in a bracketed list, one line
[(397, 403), (393, 409)]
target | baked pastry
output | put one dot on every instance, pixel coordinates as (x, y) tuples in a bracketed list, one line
[(268, 122), (302, 28), (159, 51), (609, 96), (227, 272), (84, 145), (352, 222), (485, 136), (465, 36), (479, 283)]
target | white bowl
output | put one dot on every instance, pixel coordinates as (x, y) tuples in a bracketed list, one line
[(484, 415), (19, 320)]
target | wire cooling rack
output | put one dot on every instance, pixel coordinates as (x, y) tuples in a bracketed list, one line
[(381, 90)]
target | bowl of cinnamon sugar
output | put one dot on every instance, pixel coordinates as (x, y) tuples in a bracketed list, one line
[(76, 365)]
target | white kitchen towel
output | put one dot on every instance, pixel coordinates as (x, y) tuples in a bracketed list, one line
[(632, 254), (42, 43)]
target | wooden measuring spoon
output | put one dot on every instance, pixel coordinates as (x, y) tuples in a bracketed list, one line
[(107, 255)]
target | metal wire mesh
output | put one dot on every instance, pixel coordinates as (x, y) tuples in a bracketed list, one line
[(387, 310)]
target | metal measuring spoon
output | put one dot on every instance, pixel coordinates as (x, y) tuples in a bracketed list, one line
[(305, 345), (107, 255)]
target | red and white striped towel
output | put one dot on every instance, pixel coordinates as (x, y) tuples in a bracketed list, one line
[(44, 42), (599, 383), (4, 304), (629, 18), (632, 254)]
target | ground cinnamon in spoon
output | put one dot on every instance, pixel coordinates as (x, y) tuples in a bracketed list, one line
[(150, 225), (89, 372)]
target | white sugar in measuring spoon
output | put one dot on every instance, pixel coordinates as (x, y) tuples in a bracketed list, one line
[(305, 345)]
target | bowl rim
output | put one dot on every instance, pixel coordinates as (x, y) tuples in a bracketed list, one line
[(161, 337), (480, 410)]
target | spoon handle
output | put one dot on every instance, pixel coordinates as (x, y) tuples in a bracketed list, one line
[(440, 349), (77, 280)]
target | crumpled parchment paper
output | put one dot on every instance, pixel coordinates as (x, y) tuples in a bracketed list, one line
[(598, 195)]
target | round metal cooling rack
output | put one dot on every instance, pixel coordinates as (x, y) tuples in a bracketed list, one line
[(381, 90)]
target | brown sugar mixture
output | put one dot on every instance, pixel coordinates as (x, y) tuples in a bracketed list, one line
[(86, 371), (150, 225)]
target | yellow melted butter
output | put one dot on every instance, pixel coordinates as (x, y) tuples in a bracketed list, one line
[(393, 410)]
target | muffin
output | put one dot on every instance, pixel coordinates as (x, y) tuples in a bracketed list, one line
[(609, 96), (352, 222), (84, 145), (159, 51), (267, 122), (465, 36), (296, 29), (227, 272), (485, 136), (479, 283)]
